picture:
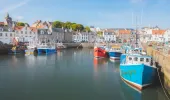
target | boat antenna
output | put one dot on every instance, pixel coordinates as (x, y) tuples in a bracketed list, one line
[(136, 32)]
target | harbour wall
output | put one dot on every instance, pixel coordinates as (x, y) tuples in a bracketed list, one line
[(91, 45), (4, 48), (162, 60)]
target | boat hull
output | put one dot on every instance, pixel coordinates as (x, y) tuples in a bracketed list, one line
[(114, 55), (46, 50), (138, 76), (100, 53)]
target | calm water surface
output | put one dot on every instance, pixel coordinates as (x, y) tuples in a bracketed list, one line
[(68, 75)]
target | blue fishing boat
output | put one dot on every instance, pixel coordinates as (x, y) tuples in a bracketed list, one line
[(46, 48), (137, 69), (115, 53)]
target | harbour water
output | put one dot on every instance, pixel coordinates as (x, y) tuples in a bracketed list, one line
[(71, 74)]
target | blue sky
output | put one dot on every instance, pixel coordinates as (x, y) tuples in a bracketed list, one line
[(99, 13)]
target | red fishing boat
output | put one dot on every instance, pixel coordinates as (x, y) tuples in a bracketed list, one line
[(100, 52)]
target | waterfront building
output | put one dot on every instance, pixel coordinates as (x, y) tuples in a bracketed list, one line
[(80, 37), (83, 37), (158, 35), (93, 29), (109, 36), (6, 30), (167, 35), (6, 36), (124, 35), (25, 33), (45, 30)]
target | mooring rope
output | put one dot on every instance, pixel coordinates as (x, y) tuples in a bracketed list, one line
[(162, 84)]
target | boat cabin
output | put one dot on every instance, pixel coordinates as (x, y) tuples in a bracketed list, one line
[(134, 51), (139, 59)]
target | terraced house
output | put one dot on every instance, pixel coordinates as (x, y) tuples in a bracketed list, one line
[(6, 30), (25, 33)]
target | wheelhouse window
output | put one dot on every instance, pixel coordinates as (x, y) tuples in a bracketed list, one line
[(130, 58), (141, 59), (147, 59), (136, 59)]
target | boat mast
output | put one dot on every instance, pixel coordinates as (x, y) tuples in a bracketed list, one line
[(136, 33)]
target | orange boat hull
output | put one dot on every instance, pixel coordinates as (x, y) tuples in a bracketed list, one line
[(100, 53)]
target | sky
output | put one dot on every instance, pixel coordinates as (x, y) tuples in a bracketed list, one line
[(98, 13)]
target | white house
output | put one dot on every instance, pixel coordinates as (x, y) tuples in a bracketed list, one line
[(109, 36), (167, 36), (25, 33), (6, 30), (6, 36), (158, 35), (80, 37)]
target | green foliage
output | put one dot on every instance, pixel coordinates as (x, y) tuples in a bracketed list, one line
[(87, 29), (68, 25), (80, 27), (57, 24), (74, 27), (20, 24), (99, 33)]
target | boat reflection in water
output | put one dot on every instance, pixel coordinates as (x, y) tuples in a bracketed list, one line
[(148, 94), (99, 65), (99, 62)]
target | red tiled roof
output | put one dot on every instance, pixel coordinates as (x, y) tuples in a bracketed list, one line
[(124, 31), (1, 23), (18, 28), (33, 29), (158, 32)]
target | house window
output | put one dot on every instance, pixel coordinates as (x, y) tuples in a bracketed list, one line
[(21, 32), (42, 32), (25, 32), (10, 34), (0, 34), (147, 59), (130, 58), (135, 59), (141, 59)]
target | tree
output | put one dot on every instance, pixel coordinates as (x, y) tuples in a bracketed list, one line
[(57, 24), (87, 29), (20, 24), (67, 25), (74, 27), (80, 27), (99, 33)]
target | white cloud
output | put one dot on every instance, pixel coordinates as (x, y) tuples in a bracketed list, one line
[(14, 6), (19, 17)]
